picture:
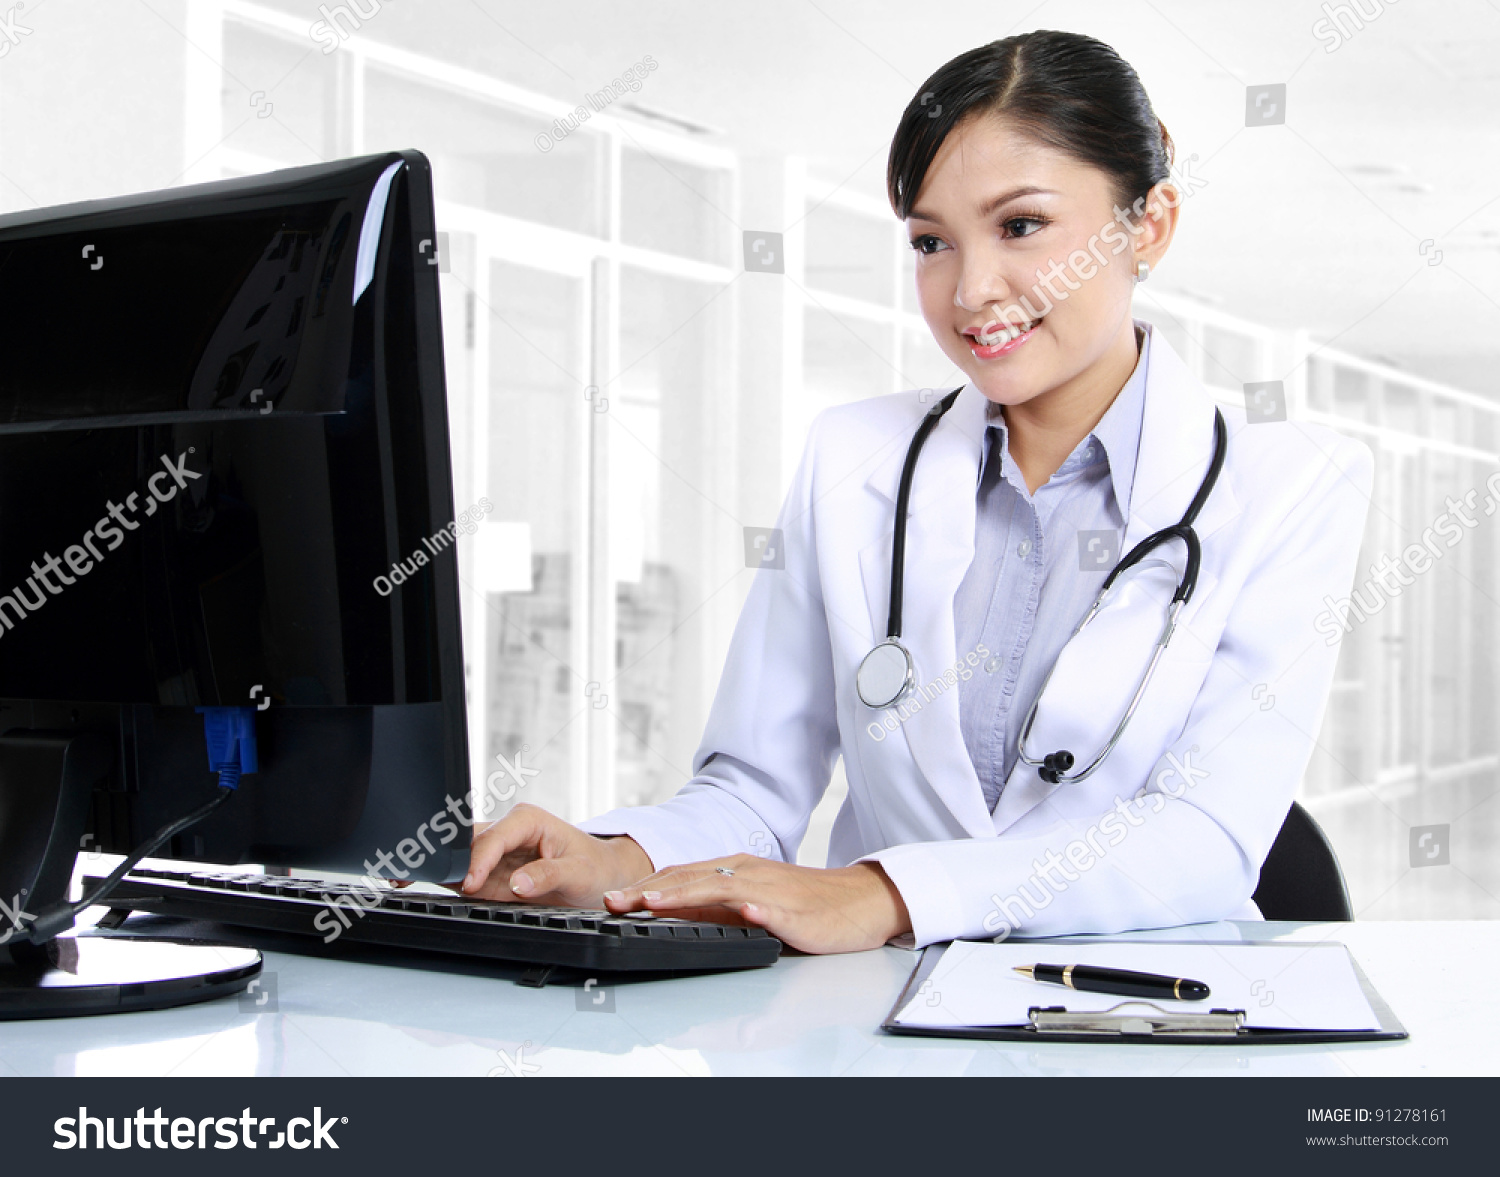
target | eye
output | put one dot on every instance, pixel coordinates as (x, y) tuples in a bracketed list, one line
[(1035, 223), (919, 243)]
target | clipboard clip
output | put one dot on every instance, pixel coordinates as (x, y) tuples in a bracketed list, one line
[(1158, 1024)]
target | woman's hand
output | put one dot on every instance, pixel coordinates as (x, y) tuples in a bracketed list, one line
[(845, 909), (530, 856)]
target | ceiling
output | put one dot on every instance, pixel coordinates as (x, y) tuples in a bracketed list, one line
[(1392, 140)]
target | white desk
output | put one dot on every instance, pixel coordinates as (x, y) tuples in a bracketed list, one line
[(804, 1016)]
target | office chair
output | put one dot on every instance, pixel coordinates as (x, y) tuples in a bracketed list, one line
[(1301, 879)]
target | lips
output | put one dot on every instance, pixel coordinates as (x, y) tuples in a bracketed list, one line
[(1004, 339), (995, 332)]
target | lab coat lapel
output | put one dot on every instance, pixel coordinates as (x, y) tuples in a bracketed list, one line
[(1176, 446), (939, 550)]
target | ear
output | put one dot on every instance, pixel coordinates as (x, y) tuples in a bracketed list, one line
[(1156, 228)]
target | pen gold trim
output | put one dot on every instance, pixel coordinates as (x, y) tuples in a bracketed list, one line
[(1029, 972), (1097, 981)]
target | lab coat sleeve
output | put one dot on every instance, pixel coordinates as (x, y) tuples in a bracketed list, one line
[(772, 735), (1186, 844)]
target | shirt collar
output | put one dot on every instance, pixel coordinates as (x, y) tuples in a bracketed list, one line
[(1118, 432)]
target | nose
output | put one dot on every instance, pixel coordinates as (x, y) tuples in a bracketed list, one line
[(980, 284)]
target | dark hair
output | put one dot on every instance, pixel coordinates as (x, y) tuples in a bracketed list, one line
[(1064, 89)]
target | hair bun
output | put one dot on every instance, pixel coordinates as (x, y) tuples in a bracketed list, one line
[(1167, 147)]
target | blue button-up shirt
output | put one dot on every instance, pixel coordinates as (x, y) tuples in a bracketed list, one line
[(1039, 561)]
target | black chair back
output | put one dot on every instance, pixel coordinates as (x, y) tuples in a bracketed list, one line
[(1301, 879)]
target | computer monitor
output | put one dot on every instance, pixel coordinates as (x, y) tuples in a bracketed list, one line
[(225, 482)]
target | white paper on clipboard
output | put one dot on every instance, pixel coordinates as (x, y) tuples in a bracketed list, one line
[(1278, 986)]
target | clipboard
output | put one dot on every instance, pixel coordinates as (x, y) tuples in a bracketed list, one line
[(1137, 1021)]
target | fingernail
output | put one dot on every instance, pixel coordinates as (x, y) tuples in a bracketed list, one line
[(650, 894), (520, 884), (615, 895), (468, 882)]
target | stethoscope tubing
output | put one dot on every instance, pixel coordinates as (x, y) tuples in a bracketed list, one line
[(903, 497), (1055, 767), (869, 670)]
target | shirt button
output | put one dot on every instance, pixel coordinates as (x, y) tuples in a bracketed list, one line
[(992, 665), (1023, 548)]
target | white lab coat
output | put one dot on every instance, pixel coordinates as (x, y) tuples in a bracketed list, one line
[(1218, 743)]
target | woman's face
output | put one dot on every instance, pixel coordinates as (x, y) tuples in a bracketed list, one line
[(1009, 231)]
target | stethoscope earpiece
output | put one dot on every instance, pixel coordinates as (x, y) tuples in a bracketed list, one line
[(1054, 764)]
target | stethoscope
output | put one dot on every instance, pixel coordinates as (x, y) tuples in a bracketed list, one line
[(888, 674)]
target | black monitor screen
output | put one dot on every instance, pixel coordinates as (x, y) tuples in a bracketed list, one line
[(214, 443), (179, 315)]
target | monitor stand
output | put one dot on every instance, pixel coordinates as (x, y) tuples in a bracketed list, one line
[(46, 786), (98, 974)]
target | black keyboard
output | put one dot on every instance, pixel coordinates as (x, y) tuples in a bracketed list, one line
[(568, 937)]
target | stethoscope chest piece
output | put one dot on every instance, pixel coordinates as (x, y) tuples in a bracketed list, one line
[(886, 675)]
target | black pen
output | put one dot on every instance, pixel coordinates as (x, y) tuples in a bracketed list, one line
[(1122, 982)]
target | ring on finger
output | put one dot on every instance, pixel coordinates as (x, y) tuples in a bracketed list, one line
[(727, 872)]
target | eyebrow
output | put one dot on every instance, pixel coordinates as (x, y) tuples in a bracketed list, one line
[(989, 206)]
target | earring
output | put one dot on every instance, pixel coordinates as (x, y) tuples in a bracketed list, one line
[(1142, 271)]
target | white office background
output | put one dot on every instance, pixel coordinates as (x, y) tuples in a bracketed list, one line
[(631, 399)]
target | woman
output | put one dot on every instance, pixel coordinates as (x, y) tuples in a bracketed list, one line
[(1034, 180)]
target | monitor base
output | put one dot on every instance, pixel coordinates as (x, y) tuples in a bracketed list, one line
[(76, 976)]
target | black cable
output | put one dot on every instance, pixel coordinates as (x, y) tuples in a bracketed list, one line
[(60, 917)]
